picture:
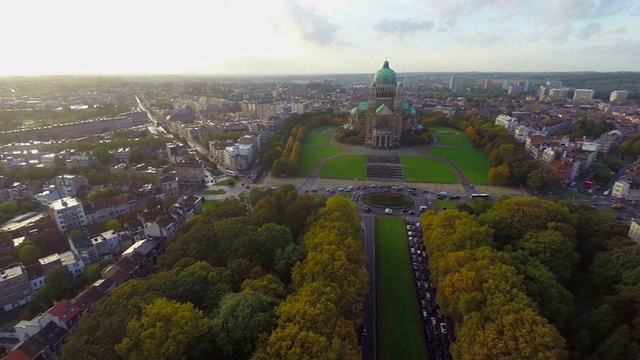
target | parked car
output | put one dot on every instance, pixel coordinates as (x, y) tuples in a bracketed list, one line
[(388, 211), (443, 328)]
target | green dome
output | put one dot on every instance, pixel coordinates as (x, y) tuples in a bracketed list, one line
[(385, 75)]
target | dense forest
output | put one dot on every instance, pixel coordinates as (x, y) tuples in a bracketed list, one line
[(271, 275), (534, 279)]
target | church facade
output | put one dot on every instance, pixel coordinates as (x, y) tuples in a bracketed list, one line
[(386, 114)]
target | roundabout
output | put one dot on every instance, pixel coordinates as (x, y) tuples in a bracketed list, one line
[(388, 200)]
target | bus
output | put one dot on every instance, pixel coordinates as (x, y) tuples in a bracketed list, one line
[(231, 173), (473, 196)]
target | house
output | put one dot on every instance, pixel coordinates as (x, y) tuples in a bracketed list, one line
[(107, 244), (36, 275), (83, 248), (634, 231), (15, 286)]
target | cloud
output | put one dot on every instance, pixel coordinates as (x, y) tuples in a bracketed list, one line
[(588, 31), (402, 27), (312, 25), (451, 10), (483, 38)]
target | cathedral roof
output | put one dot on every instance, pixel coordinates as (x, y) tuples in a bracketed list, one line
[(385, 75)]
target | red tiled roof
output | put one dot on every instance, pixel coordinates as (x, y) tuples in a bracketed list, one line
[(17, 355), (64, 310), (119, 277)]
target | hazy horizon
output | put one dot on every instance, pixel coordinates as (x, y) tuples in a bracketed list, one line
[(300, 37)]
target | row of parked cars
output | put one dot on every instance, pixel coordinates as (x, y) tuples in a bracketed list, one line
[(434, 320)]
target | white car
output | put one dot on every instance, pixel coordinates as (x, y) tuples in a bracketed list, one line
[(443, 328), (388, 211)]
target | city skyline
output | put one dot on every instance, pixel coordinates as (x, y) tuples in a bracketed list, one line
[(302, 37)]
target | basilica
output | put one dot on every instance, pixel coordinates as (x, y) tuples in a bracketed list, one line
[(386, 114)]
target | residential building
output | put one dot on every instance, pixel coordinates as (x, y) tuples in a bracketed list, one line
[(49, 160), (190, 172), (618, 95), (169, 185), (508, 122), (554, 84), (634, 231), (15, 287), (107, 244), (455, 83), (583, 94), (47, 262), (560, 93), (72, 263), (83, 248), (69, 185), (36, 276), (521, 133), (68, 214), (47, 196), (107, 209), (81, 161)]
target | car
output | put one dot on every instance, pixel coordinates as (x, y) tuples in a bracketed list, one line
[(408, 227), (411, 212), (419, 284), (423, 208), (425, 314), (394, 188), (470, 185), (428, 295), (413, 251), (380, 186), (443, 328), (413, 257), (409, 233), (415, 266), (388, 211), (372, 186), (306, 191), (404, 211), (423, 304), (315, 190), (340, 189), (329, 190), (367, 209), (434, 322)]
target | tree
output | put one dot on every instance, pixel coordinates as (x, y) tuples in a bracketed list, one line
[(553, 250), (6, 260), (165, 330), (8, 208), (102, 154), (113, 224), (241, 320), (29, 254), (73, 233), (170, 199)]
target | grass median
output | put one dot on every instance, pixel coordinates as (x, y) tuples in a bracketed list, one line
[(400, 332)]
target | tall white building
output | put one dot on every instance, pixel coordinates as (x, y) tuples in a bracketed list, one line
[(618, 95), (583, 94), (455, 83), (68, 185), (68, 214), (508, 122)]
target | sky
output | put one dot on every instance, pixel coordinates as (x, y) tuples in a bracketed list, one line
[(316, 37)]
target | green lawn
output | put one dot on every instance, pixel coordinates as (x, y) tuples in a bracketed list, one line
[(576, 196), (400, 329), (449, 204), (445, 129), (312, 154), (318, 136), (473, 162), (422, 169), (454, 140), (226, 182), (214, 192), (345, 167)]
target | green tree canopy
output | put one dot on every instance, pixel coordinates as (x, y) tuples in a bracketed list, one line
[(165, 330)]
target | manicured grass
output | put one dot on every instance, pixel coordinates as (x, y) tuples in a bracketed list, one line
[(318, 136), (445, 129), (399, 323), (345, 167), (226, 182), (607, 212), (473, 162), (449, 204), (311, 155), (207, 204), (422, 169), (214, 192), (390, 200), (454, 140), (576, 196)]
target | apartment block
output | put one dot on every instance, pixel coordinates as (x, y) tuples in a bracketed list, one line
[(68, 214), (15, 287)]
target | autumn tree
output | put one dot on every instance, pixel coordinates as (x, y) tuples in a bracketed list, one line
[(166, 329)]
